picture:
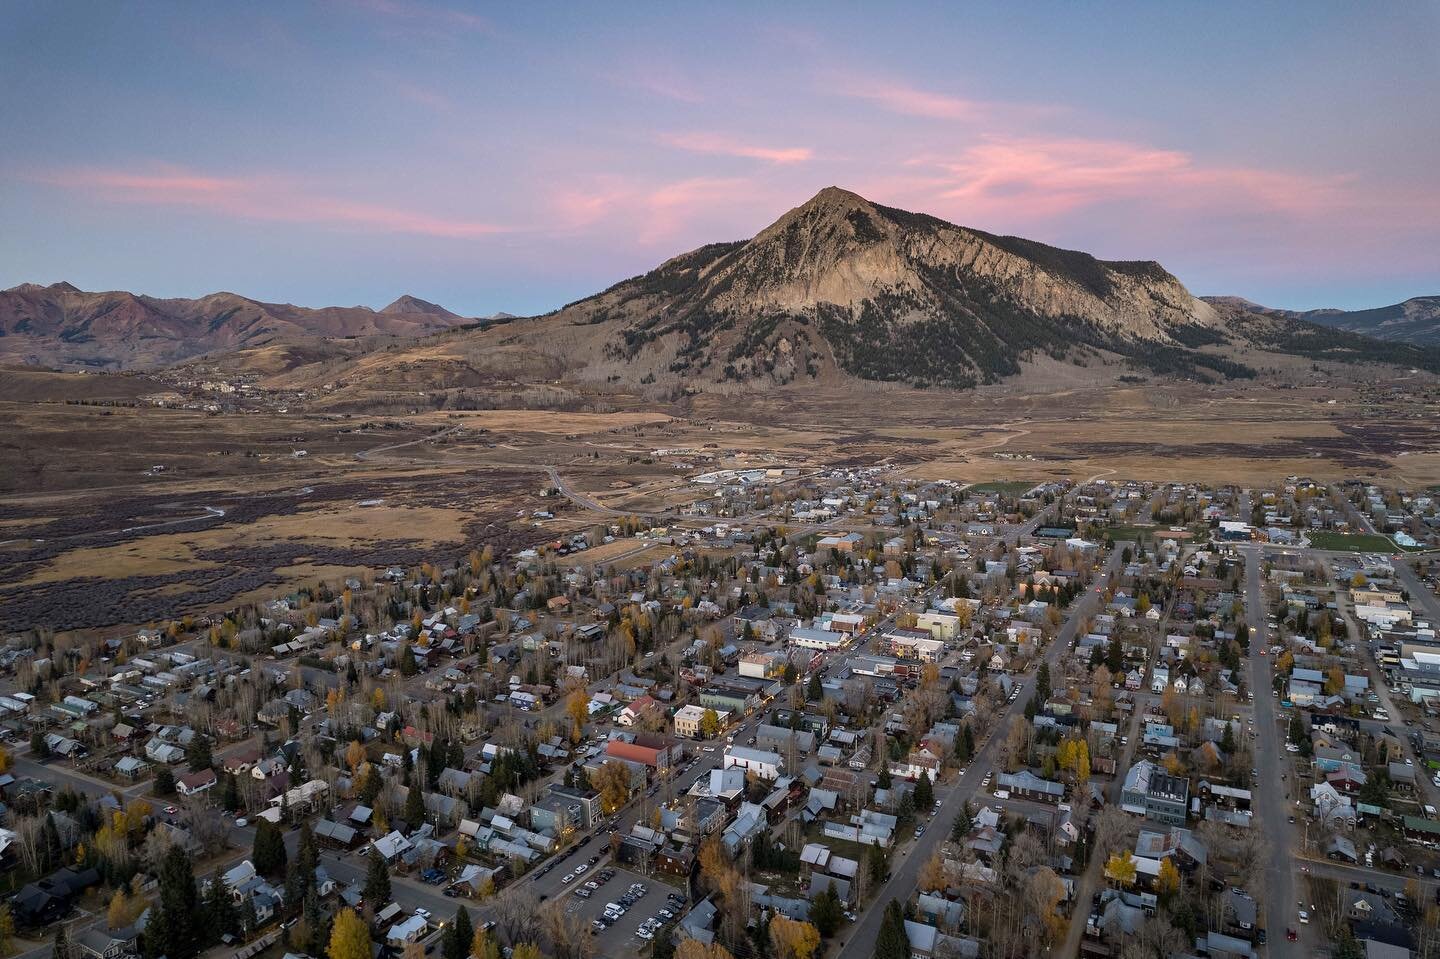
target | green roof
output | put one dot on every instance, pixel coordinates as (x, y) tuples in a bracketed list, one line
[(1416, 824)]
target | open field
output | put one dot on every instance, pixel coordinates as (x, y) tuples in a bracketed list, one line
[(1354, 542), (251, 504)]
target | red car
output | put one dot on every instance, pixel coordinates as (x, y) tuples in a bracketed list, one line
[(1291, 934)]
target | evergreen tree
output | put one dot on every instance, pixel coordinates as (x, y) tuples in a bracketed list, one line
[(300, 881), (924, 792), (414, 813), (892, 942), (248, 920), (455, 944), (164, 782), (197, 754), (905, 811), (221, 915), (814, 692), (230, 793), (269, 856), (317, 929), (174, 930), (1042, 682), (960, 828), (376, 891), (408, 666), (826, 911)]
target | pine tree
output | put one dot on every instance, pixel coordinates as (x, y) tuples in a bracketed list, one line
[(197, 754), (173, 930), (376, 892), (164, 782), (300, 881), (960, 828), (269, 856), (221, 915), (924, 792), (826, 911), (229, 793), (892, 942), (414, 813), (456, 942)]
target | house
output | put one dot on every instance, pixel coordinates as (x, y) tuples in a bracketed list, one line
[(407, 931), (1151, 792), (765, 764), (1030, 786), (96, 943), (193, 784), (687, 721), (637, 711)]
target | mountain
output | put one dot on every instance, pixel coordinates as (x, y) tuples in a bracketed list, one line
[(60, 325), (1417, 320), (408, 305), (840, 290), (840, 286)]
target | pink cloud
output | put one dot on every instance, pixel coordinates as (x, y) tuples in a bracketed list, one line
[(685, 211), (1037, 178), (912, 101), (259, 198), (720, 144)]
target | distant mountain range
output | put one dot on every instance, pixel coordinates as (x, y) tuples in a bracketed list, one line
[(60, 325), (1417, 320), (838, 289)]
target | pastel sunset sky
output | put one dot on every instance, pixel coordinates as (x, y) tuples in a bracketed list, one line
[(516, 157)]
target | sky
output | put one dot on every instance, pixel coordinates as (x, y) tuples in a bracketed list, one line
[(518, 157)]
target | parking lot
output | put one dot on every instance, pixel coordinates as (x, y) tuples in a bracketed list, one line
[(620, 936)]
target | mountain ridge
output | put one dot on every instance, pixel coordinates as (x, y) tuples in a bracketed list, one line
[(1415, 320), (62, 325)]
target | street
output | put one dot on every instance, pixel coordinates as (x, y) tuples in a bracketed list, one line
[(859, 942)]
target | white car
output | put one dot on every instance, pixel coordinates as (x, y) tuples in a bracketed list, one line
[(1304, 917), (581, 868), (569, 877)]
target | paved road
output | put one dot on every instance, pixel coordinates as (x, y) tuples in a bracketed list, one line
[(1279, 887), (860, 938)]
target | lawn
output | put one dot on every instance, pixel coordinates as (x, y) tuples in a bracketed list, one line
[(1005, 487), (1353, 542)]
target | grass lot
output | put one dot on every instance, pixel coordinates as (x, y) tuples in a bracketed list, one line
[(1005, 487), (1354, 542)]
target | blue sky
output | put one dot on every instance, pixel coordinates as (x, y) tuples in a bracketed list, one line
[(491, 158)]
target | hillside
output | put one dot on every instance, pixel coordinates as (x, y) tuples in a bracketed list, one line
[(881, 294), (62, 326), (1415, 321)]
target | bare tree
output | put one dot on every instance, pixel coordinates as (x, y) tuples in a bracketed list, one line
[(515, 914)]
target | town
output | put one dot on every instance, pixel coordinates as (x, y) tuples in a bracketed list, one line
[(864, 714)]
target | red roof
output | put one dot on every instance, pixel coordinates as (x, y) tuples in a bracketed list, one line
[(636, 754)]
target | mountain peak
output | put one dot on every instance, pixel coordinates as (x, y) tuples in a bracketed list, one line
[(834, 196), (413, 304)]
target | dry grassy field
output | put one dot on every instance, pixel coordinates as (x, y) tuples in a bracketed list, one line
[(92, 534)]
